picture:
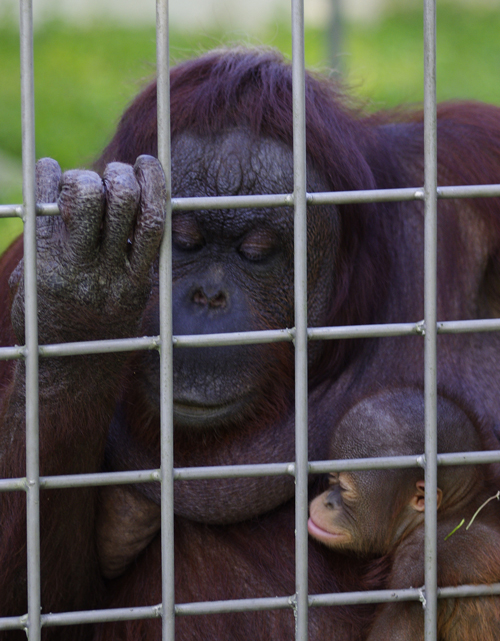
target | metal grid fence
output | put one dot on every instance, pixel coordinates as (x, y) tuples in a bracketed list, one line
[(300, 335)]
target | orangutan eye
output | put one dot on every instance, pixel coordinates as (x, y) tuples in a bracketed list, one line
[(186, 234), (258, 245)]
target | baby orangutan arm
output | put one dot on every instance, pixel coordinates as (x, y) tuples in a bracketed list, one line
[(126, 524), (467, 557)]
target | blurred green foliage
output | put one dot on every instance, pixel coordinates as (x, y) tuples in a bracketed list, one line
[(85, 77)]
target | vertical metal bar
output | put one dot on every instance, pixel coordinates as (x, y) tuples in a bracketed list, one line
[(300, 284), (430, 297), (166, 351), (31, 328)]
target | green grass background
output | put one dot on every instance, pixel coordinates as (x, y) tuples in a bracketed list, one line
[(85, 77)]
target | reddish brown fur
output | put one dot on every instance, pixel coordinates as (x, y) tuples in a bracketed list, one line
[(467, 557), (381, 513), (238, 570), (379, 278)]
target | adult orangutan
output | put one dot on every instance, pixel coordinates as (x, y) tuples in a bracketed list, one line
[(381, 512), (233, 270)]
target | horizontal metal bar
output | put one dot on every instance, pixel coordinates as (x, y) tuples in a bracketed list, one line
[(234, 471), (248, 605), (100, 347), (17, 211), (235, 605), (47, 209), (368, 596), (247, 338), (287, 200), (399, 462), (205, 340), (365, 196), (469, 191), (375, 463), (11, 211), (251, 338), (468, 326), (12, 353), (335, 333), (235, 338), (84, 348), (151, 612), (469, 590), (11, 485), (232, 202), (468, 458), (101, 616), (149, 476), (403, 194), (248, 471), (410, 594), (13, 623), (364, 331), (98, 479)]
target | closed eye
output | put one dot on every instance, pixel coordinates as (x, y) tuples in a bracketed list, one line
[(258, 245), (186, 234), (333, 478)]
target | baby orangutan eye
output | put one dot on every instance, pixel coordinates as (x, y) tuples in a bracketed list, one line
[(340, 479), (333, 478)]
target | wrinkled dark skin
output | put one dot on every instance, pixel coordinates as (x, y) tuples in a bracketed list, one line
[(98, 217), (379, 512), (225, 268)]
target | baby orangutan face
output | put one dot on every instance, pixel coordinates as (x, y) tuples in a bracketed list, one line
[(331, 513), (366, 512)]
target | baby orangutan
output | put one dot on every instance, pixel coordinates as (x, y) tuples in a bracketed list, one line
[(381, 512)]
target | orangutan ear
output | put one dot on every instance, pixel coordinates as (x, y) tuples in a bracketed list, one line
[(417, 501)]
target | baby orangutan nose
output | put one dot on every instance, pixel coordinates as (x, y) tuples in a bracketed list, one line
[(332, 499)]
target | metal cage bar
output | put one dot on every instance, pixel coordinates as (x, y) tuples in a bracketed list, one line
[(300, 335), (166, 344), (251, 470), (251, 338), (300, 299), (33, 623), (430, 303), (287, 200)]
